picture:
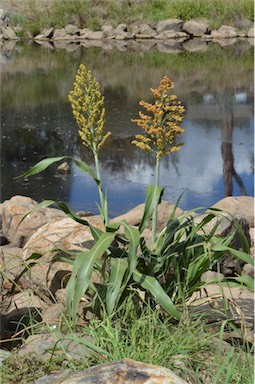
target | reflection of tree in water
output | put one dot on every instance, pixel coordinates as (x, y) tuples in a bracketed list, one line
[(229, 172)]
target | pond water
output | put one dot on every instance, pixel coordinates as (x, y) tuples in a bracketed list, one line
[(215, 85)]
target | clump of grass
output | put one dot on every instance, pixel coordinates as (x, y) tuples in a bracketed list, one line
[(193, 349)]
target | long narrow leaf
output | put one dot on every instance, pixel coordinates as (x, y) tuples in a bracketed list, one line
[(153, 198), (82, 272), (152, 285), (239, 254), (113, 293), (41, 166)]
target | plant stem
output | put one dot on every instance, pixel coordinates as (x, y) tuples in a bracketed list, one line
[(103, 202), (155, 213)]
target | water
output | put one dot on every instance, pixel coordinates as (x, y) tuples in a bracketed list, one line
[(215, 85)]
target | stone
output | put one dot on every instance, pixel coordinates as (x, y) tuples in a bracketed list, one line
[(224, 32), (144, 30), (41, 346), (125, 371), (251, 32), (64, 168), (72, 29), (11, 260), (248, 270), (59, 34), (14, 210), (98, 35), (196, 28), (134, 216), (238, 206), (46, 277), (9, 34), (108, 31), (45, 34), (121, 28), (212, 276), (170, 24)]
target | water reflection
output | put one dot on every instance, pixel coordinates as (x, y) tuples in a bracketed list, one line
[(215, 161)]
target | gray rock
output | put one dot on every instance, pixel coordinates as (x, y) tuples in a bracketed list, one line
[(251, 32), (196, 28), (125, 371), (170, 24), (59, 34), (9, 34), (98, 35), (64, 168), (224, 32), (121, 28), (72, 29)]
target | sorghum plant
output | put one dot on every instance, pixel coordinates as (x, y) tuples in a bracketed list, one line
[(88, 109), (161, 127)]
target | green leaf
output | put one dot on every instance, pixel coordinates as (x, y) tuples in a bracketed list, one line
[(238, 281), (82, 272), (153, 198), (239, 254), (152, 285), (113, 293), (41, 166), (133, 235)]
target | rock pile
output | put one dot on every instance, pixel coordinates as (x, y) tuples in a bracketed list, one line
[(163, 30)]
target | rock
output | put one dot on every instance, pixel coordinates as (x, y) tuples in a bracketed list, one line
[(144, 31), (212, 276), (196, 28), (125, 371), (251, 32), (121, 28), (46, 277), (59, 34), (216, 296), (45, 34), (224, 32), (170, 24), (12, 261), (41, 346), (64, 168), (171, 35), (9, 34), (248, 270), (134, 216), (98, 35), (71, 29), (238, 206), (15, 209), (108, 31)]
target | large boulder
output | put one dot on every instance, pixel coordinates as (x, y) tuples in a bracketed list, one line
[(46, 276), (125, 371), (15, 209), (134, 217), (196, 28)]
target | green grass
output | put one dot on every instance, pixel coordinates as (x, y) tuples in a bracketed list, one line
[(94, 14), (193, 349)]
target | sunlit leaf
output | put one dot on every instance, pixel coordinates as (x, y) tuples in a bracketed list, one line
[(118, 269), (153, 198)]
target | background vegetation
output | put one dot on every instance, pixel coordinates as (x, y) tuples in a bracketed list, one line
[(33, 15)]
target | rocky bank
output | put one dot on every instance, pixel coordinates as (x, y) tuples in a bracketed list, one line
[(41, 291)]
